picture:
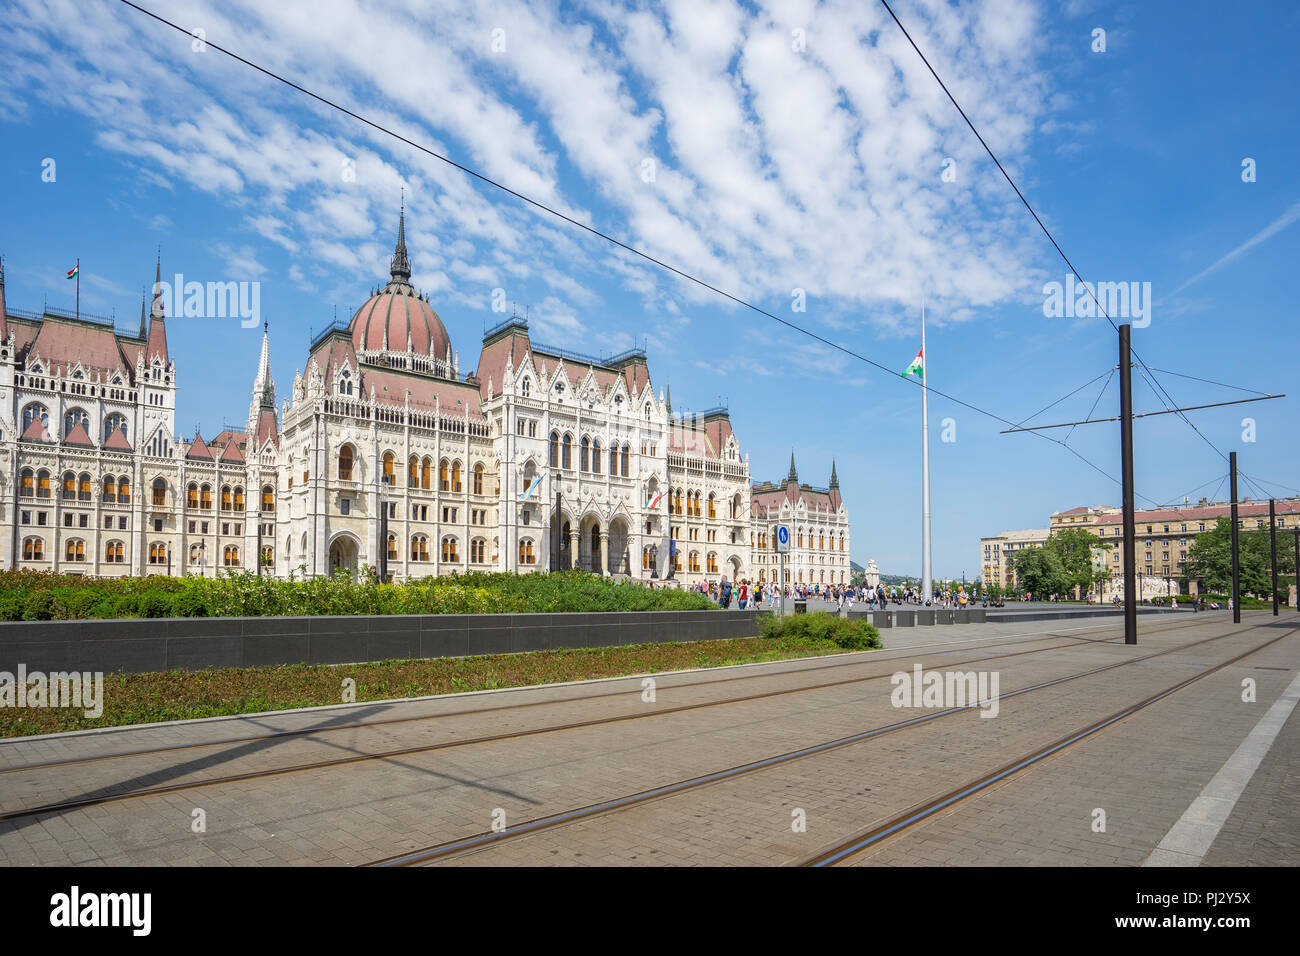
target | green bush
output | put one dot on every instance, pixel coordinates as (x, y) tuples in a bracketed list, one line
[(820, 627), (39, 606)]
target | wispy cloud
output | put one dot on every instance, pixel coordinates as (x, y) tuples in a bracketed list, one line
[(1268, 232)]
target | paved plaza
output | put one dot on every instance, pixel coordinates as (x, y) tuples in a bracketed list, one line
[(707, 768)]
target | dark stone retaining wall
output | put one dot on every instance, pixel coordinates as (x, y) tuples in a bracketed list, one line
[(137, 646)]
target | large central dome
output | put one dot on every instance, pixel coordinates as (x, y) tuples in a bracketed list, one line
[(396, 318)]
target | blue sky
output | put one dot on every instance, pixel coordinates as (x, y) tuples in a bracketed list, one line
[(793, 146)]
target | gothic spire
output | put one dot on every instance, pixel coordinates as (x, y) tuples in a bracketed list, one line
[(401, 265), (263, 387), (835, 481), (794, 475), (156, 310)]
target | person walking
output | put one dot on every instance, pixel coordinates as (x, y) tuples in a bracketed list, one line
[(742, 596)]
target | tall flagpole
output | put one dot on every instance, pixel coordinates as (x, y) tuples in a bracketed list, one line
[(926, 583), (78, 286)]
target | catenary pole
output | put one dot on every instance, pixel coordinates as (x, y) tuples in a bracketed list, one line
[(1126, 456), (1236, 567), (1272, 546)]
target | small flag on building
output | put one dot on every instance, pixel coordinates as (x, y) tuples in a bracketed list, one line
[(654, 501), (72, 273), (528, 492), (917, 367)]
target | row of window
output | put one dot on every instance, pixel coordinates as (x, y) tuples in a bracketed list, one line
[(589, 455), (72, 418), (74, 550), (690, 505)]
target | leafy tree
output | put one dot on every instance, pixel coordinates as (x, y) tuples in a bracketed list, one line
[(1040, 571), (1210, 559)]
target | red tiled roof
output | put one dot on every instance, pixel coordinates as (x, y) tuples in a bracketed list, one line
[(267, 427), (60, 342), (36, 432), (232, 452), (1199, 513), (453, 398), (79, 436), (199, 449), (117, 441)]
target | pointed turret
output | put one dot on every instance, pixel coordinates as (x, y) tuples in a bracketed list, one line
[(144, 314), (157, 343), (668, 400), (835, 481), (834, 488), (263, 386), (400, 268), (794, 474), (262, 421), (4, 323)]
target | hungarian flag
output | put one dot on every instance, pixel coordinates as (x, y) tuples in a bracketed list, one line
[(72, 273), (917, 367), (654, 502)]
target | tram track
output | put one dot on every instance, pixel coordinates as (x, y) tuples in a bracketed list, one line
[(466, 845), (62, 806), (313, 731), (913, 816)]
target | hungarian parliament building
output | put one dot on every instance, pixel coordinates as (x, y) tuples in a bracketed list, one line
[(384, 455)]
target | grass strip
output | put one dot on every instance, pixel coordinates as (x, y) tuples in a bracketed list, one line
[(182, 695)]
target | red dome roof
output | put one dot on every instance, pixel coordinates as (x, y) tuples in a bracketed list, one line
[(397, 310)]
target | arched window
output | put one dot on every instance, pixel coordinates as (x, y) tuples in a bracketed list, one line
[(713, 511), (239, 498), (555, 450), (426, 473), (110, 490), (225, 498), (478, 478), (623, 469), (73, 418), (27, 483), (613, 459), (526, 553), (69, 486), (526, 388), (74, 550), (389, 461), (85, 487), (230, 556), (114, 552), (192, 495), (205, 497), (449, 552), (113, 423), (419, 548), (33, 549), (268, 500), (595, 455), (159, 490), (36, 412), (345, 463), (713, 562), (693, 563), (413, 473), (566, 452), (444, 475), (584, 455), (455, 476), (345, 383), (392, 547), (42, 484), (123, 490), (267, 556), (478, 551)]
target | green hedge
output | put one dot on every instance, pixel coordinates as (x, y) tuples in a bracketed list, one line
[(44, 596), (850, 633)]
